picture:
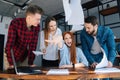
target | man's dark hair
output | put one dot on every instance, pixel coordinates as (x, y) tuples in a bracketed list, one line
[(33, 9), (91, 19)]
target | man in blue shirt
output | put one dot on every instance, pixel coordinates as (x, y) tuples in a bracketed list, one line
[(93, 38)]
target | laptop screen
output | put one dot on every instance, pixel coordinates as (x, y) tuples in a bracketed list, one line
[(1, 51), (14, 63)]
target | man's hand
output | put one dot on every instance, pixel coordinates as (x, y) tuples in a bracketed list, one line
[(10, 67), (93, 65), (109, 64), (33, 65)]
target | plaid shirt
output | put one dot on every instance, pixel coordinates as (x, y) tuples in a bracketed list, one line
[(19, 38)]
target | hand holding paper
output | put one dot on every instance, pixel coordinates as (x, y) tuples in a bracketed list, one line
[(104, 61), (37, 53)]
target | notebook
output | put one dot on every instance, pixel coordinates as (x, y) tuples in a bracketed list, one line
[(23, 70)]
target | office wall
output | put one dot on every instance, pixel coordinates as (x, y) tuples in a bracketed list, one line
[(4, 23), (108, 19)]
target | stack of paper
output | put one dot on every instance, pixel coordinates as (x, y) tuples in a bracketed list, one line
[(37, 53), (58, 72)]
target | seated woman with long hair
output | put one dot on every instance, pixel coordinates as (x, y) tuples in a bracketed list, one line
[(69, 53)]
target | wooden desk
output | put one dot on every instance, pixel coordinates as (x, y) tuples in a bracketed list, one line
[(82, 73)]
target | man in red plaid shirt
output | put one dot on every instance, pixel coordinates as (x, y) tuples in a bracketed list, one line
[(23, 36)]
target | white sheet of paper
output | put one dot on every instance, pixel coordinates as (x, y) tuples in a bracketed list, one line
[(76, 28), (107, 70), (104, 61), (37, 53), (58, 72), (77, 16), (74, 14), (67, 9)]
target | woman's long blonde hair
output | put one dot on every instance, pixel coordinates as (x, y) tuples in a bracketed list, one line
[(46, 30)]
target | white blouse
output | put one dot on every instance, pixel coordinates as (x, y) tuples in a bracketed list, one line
[(51, 50)]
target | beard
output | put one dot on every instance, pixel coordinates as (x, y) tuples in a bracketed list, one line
[(92, 33)]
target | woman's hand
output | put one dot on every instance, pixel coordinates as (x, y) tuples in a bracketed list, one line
[(56, 40), (44, 51), (66, 66)]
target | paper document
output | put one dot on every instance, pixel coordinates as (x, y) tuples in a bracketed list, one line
[(107, 70), (74, 14), (104, 61), (76, 28), (37, 53), (77, 16), (67, 9), (58, 72)]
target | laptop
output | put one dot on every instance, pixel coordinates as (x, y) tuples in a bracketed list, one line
[(24, 70), (1, 51)]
